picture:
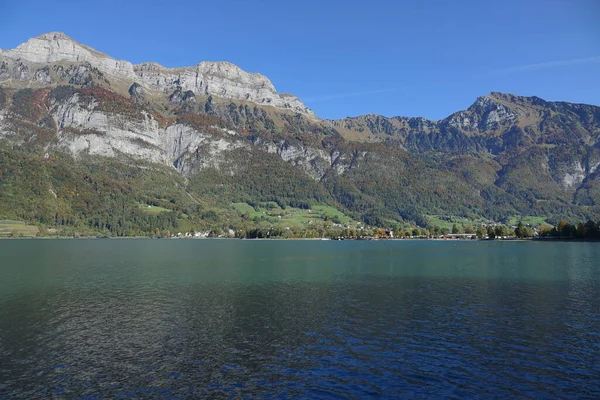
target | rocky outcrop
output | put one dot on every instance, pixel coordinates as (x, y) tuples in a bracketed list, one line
[(486, 114), (84, 127), (221, 79), (138, 94), (313, 162), (56, 47), (54, 58)]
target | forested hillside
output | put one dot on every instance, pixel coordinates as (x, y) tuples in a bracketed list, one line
[(110, 152)]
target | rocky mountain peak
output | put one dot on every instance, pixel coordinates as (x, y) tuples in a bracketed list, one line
[(485, 102), (485, 114), (53, 36), (28, 64), (512, 99), (58, 48), (231, 71), (53, 47), (499, 95)]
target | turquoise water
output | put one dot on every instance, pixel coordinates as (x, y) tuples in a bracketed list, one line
[(313, 319)]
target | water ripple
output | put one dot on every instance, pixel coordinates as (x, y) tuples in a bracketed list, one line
[(171, 325)]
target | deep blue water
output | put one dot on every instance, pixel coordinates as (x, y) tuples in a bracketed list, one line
[(309, 319)]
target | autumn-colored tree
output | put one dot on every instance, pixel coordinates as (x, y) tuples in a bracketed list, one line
[(562, 226)]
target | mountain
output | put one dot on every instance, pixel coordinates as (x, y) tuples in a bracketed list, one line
[(54, 58), (195, 140)]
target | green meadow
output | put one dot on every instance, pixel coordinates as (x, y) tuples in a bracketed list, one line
[(9, 228)]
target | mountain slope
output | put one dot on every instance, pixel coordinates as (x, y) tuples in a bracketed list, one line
[(62, 103)]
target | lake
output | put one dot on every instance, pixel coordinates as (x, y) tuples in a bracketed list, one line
[(284, 319)]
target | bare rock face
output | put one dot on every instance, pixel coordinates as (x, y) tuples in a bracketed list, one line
[(484, 115), (312, 161), (221, 79), (138, 94), (176, 97), (75, 63), (56, 47), (83, 128), (136, 90)]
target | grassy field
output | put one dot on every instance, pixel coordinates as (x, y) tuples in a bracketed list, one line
[(291, 216), (154, 210), (528, 220), (448, 221), (245, 208), (10, 228), (183, 223)]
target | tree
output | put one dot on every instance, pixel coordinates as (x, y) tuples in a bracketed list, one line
[(580, 230), (568, 231), (500, 230), (491, 232), (480, 232), (562, 227), (520, 231), (469, 229), (591, 230), (529, 232), (455, 229)]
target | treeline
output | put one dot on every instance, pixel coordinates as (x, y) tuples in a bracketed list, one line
[(587, 230)]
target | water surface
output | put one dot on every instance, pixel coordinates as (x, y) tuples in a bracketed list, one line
[(312, 319)]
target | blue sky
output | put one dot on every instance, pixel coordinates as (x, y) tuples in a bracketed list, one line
[(346, 58)]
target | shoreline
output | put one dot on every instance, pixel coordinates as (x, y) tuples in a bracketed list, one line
[(536, 239)]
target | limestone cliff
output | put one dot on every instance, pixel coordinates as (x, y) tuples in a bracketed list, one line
[(54, 58)]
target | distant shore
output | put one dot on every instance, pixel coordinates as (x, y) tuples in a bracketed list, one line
[(534, 239)]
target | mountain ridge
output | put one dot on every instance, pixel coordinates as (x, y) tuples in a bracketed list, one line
[(503, 156), (221, 79), (30, 50)]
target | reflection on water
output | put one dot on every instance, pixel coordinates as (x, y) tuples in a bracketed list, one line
[(178, 319)]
